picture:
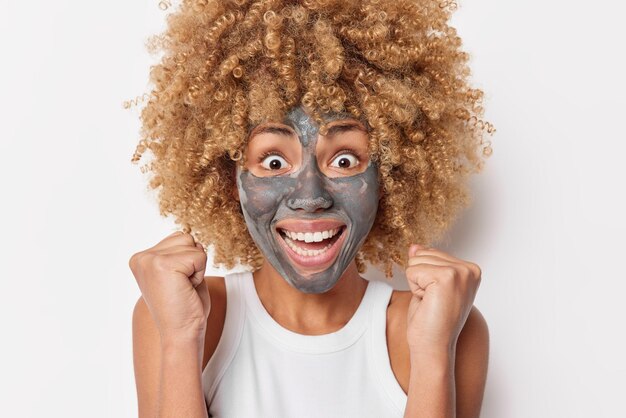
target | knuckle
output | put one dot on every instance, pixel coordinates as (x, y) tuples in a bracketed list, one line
[(448, 276), (409, 272), (135, 261), (416, 268), (188, 238), (475, 268), (180, 237), (199, 255), (413, 272), (450, 273), (478, 280), (464, 271), (160, 262), (479, 271), (132, 261)]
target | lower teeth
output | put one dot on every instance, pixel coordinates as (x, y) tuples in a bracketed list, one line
[(305, 253)]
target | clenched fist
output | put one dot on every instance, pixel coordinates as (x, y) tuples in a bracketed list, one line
[(170, 276), (444, 288)]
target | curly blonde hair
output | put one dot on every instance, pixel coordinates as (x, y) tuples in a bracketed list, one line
[(231, 64)]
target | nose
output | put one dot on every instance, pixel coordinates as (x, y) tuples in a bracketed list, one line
[(309, 205), (310, 193)]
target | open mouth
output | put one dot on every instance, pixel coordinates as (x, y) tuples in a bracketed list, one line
[(312, 249)]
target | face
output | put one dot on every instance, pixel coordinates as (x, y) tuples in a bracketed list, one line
[(309, 200)]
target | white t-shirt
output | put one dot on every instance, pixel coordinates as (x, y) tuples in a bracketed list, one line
[(262, 370)]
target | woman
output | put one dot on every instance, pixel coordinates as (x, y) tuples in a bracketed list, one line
[(303, 140)]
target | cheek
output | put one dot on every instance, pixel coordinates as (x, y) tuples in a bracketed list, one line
[(357, 195), (261, 197)]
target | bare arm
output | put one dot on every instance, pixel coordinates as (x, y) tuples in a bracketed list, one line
[(431, 385), (450, 382), (168, 370)]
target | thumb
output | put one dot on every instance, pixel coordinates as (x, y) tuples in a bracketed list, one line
[(198, 275), (413, 248)]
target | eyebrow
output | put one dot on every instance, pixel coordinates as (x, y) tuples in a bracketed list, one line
[(344, 127), (337, 128), (278, 130)]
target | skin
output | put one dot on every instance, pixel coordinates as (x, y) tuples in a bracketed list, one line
[(169, 323), (438, 342), (443, 289), (304, 191)]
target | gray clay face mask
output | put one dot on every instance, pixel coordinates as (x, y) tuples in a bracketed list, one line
[(283, 212)]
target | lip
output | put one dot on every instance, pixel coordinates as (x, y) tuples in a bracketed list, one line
[(319, 262), (300, 225)]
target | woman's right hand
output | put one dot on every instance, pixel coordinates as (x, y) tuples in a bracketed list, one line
[(170, 276)]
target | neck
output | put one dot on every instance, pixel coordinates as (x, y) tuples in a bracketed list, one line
[(310, 313)]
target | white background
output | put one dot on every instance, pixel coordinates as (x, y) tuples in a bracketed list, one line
[(546, 226)]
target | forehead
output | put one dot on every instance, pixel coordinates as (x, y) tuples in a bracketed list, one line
[(303, 125), (298, 116)]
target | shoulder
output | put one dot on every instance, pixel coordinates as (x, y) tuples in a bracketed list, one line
[(397, 343), (217, 315), (471, 350)]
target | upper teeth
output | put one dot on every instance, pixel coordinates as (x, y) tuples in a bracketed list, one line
[(311, 236)]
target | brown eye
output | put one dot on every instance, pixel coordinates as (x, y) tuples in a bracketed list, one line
[(274, 162), (345, 160)]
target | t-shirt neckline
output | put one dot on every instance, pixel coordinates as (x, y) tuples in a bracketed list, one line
[(325, 343)]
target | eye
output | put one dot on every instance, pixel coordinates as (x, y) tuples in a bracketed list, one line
[(345, 160), (273, 162)]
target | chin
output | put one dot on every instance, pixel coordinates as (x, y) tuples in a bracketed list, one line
[(313, 286)]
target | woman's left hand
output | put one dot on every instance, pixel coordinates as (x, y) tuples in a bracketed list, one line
[(443, 290)]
